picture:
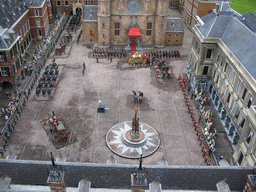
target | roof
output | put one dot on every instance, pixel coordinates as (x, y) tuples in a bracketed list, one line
[(10, 12), (249, 19), (7, 38), (90, 13), (134, 32), (174, 24), (35, 3), (240, 40)]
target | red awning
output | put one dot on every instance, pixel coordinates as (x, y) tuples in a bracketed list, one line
[(134, 32)]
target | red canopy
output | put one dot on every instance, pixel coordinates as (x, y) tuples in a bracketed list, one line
[(134, 32)]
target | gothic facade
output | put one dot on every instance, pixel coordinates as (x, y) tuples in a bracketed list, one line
[(109, 23)]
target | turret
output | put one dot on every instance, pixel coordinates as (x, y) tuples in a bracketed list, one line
[(160, 22), (104, 23)]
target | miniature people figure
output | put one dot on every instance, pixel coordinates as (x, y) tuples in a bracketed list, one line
[(140, 96), (97, 58)]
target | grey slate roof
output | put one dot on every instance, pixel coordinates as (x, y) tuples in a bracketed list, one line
[(7, 38), (239, 39), (34, 3), (90, 13), (249, 20), (174, 24), (10, 12)]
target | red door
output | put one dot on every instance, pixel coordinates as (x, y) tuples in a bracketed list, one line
[(67, 12)]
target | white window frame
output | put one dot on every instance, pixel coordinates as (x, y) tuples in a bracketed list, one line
[(3, 71), (36, 12)]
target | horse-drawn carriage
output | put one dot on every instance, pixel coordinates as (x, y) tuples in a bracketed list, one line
[(137, 59), (57, 128)]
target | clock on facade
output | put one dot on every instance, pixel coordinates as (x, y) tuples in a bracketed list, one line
[(134, 6)]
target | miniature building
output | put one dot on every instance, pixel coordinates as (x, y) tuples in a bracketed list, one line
[(108, 24), (174, 31), (200, 8), (222, 62), (21, 21)]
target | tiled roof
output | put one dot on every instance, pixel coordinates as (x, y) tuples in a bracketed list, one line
[(249, 20), (90, 13), (239, 38), (35, 3), (10, 12), (174, 24)]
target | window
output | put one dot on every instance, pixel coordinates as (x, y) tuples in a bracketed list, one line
[(233, 106), (176, 41), (38, 23), (149, 29), (169, 35), (66, 2), (58, 2), (169, 41), (249, 137), (240, 158), (36, 12), (209, 53), (2, 56), (225, 69), (205, 71), (91, 33), (239, 86), (228, 99), (230, 71), (218, 57), (39, 33), (217, 80), (14, 68), (103, 24), (242, 123), (244, 93), (234, 79), (117, 28), (221, 83), (4, 71), (237, 114), (250, 102)]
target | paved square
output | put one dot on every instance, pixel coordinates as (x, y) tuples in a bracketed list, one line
[(75, 100)]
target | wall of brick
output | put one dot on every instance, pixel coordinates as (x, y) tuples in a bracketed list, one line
[(204, 8), (119, 176)]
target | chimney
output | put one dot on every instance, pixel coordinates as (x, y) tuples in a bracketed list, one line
[(139, 178), (251, 183), (56, 177)]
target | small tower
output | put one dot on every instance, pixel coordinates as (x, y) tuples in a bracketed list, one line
[(104, 23), (56, 178), (160, 22), (139, 178)]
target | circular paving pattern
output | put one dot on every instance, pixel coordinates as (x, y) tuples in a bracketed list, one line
[(118, 141)]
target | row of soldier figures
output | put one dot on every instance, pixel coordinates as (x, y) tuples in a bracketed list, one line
[(109, 52), (164, 54)]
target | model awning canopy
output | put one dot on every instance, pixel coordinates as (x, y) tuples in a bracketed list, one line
[(134, 32)]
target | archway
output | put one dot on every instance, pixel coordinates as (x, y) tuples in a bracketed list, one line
[(7, 85), (78, 11)]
